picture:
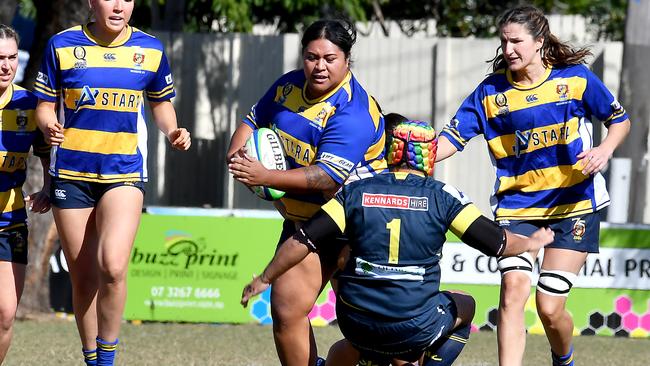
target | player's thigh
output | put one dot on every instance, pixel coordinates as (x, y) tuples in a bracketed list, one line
[(76, 229), (294, 293), (117, 218), (12, 280), (465, 306)]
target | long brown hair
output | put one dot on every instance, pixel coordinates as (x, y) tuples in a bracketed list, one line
[(553, 51)]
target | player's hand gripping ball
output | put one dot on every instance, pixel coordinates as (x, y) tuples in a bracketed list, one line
[(265, 145)]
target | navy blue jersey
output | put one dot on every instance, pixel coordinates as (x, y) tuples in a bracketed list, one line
[(396, 225)]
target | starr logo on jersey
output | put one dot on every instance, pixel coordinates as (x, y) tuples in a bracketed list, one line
[(87, 97)]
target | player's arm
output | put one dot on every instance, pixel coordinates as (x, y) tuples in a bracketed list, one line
[(164, 115), (238, 140), (445, 148), (309, 238), (483, 234), (48, 123), (594, 160)]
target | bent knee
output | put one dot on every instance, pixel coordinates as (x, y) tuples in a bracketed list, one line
[(465, 305)]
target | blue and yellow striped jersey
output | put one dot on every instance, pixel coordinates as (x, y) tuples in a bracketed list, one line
[(99, 89), (341, 132), (534, 134), (396, 224), (18, 133)]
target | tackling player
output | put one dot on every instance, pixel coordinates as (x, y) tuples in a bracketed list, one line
[(332, 133), (389, 306)]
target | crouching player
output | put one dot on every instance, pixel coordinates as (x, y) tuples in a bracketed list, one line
[(389, 305)]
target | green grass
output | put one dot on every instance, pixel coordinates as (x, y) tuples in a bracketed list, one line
[(52, 341)]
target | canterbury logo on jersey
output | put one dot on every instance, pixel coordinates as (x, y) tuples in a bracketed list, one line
[(395, 201), (122, 100)]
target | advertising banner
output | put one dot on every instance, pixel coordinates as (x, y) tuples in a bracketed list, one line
[(193, 268)]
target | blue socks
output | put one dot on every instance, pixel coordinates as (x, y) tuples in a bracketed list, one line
[(106, 352), (446, 349), (90, 357), (566, 360)]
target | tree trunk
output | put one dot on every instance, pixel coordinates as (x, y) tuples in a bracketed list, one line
[(51, 17), (634, 92), (7, 11)]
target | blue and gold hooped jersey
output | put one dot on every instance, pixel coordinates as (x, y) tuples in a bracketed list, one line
[(534, 134), (99, 89), (18, 133), (396, 225), (342, 132)]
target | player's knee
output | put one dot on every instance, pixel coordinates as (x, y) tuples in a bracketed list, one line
[(550, 312), (515, 290), (555, 282), (112, 273), (7, 318), (465, 306)]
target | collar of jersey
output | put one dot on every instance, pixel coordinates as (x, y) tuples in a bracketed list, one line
[(544, 77), (9, 94), (403, 175), (345, 80), (116, 43)]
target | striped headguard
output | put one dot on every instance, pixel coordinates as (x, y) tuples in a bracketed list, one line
[(413, 143)]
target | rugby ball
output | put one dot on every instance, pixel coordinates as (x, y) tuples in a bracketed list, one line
[(265, 145)]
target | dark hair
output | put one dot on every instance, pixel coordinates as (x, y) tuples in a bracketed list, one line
[(341, 32), (7, 32), (553, 51), (391, 120)]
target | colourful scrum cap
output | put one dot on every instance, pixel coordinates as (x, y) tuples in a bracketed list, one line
[(413, 143)]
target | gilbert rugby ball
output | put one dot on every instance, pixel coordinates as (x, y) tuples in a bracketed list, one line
[(265, 146)]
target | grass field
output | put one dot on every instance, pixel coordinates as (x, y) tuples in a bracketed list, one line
[(52, 341)]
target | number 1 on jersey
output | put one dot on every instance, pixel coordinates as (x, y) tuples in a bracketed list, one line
[(393, 247)]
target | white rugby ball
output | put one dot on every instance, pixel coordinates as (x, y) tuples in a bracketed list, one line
[(265, 145)]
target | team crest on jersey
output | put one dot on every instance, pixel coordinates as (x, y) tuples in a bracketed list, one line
[(501, 102), (286, 90), (80, 54), (522, 139), (579, 229), (21, 119), (321, 116), (562, 90), (138, 59), (395, 201), (87, 98)]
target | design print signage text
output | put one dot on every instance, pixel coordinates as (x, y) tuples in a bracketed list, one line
[(184, 273)]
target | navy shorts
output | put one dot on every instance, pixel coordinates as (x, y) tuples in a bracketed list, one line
[(328, 255), (579, 233), (68, 193), (381, 339), (13, 245)]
